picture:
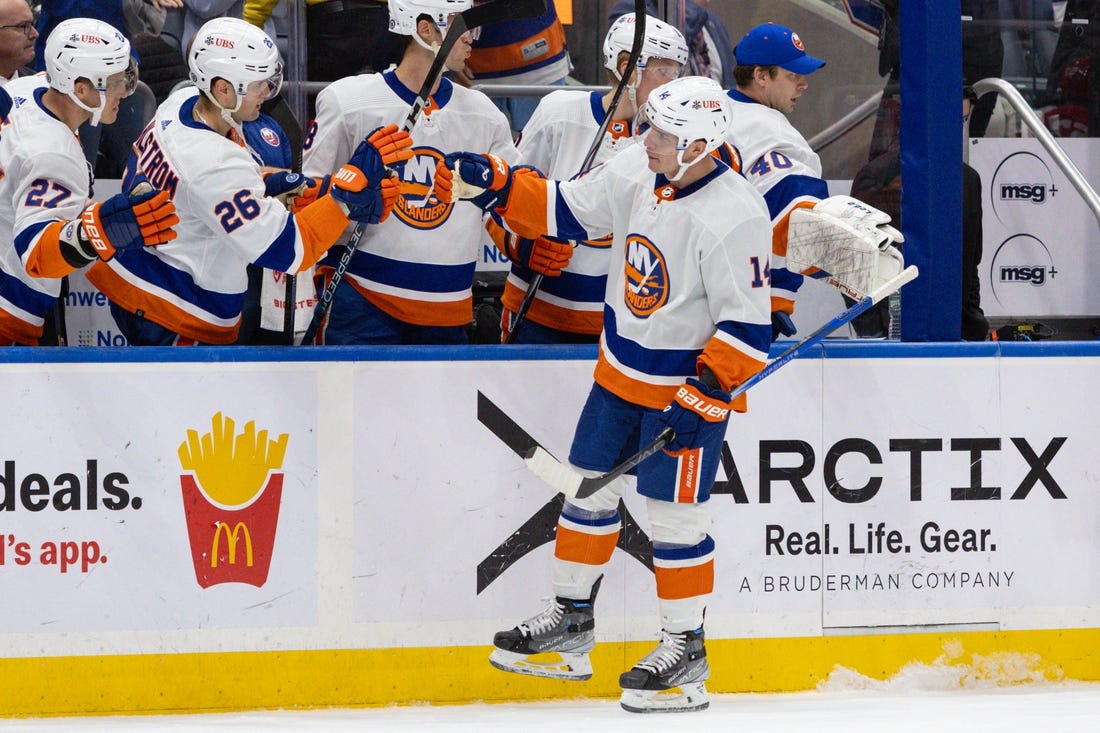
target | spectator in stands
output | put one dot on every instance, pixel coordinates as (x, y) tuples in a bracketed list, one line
[(17, 36), (353, 36), (200, 11), (519, 52), (1068, 115), (708, 39)]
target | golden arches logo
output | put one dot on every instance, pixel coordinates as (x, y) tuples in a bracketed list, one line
[(231, 543)]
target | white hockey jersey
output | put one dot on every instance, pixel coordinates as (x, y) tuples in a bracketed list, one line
[(687, 284), (45, 179), (194, 285), (781, 165), (418, 265), (556, 141)]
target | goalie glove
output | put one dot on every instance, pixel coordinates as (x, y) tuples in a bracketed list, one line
[(142, 218), (545, 256), (483, 180)]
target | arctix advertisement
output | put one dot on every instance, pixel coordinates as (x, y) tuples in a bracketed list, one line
[(854, 494)]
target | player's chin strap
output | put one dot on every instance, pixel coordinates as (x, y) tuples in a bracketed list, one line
[(97, 112), (227, 115), (683, 166)]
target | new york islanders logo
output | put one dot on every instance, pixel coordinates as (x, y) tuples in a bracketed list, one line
[(797, 42), (647, 282), (417, 205)]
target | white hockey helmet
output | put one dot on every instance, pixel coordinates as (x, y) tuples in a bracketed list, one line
[(237, 51), (404, 14), (661, 40), (690, 108), (83, 48)]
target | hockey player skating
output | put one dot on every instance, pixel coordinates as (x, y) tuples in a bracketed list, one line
[(686, 319), (410, 279), (772, 66), (568, 308), (192, 290), (46, 225)]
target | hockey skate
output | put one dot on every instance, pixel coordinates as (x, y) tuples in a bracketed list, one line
[(555, 643), (680, 660)]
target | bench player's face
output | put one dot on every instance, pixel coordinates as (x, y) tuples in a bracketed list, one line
[(456, 59), (656, 72), (258, 93), (784, 89), (661, 150), (118, 87)]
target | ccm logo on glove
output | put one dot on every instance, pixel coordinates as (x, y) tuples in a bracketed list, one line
[(689, 398)]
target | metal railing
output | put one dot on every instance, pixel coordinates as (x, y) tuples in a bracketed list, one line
[(490, 90), (838, 129), (1042, 134)]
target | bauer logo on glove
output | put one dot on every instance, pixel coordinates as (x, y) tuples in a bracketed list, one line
[(710, 410)]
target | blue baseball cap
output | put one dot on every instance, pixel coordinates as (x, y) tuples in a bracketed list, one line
[(775, 45)]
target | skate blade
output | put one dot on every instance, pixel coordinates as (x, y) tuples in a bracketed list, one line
[(692, 697), (555, 665)]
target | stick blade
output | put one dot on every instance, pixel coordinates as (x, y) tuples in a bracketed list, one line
[(552, 471)]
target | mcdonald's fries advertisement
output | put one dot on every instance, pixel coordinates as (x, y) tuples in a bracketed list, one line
[(213, 531), (162, 503)]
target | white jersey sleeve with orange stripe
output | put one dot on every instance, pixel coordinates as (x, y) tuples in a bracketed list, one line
[(780, 164), (556, 140), (44, 181), (418, 265), (687, 285), (195, 285)]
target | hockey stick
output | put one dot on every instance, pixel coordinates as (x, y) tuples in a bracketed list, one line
[(593, 149), (467, 20), (572, 484)]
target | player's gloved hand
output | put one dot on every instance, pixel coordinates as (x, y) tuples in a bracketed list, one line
[(143, 218), (545, 256), (696, 414), (287, 187), (484, 180), (361, 201), (862, 216), (782, 325), (383, 147)]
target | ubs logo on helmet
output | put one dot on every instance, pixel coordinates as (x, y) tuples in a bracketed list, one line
[(417, 205), (646, 282)]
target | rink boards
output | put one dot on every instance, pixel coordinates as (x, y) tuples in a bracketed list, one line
[(257, 528)]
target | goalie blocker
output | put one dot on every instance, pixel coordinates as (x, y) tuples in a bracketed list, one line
[(849, 241)]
